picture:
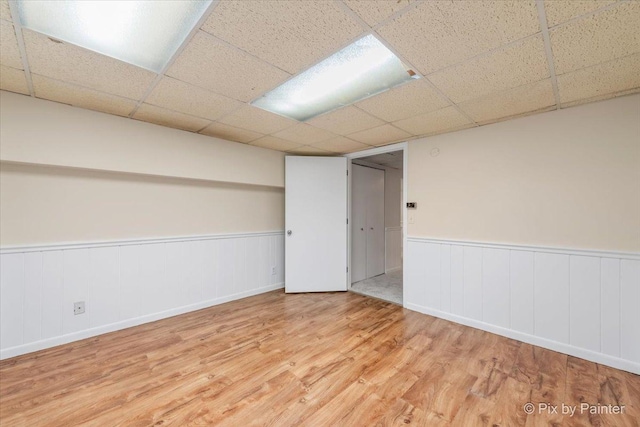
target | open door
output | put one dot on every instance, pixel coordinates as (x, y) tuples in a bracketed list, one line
[(315, 224)]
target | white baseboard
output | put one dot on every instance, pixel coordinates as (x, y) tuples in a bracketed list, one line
[(592, 356), (89, 333)]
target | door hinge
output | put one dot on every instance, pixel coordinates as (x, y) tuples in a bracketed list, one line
[(347, 172), (347, 269), (347, 220)]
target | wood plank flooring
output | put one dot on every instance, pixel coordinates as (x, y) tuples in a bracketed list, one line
[(330, 359)]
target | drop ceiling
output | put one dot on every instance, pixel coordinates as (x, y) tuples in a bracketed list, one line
[(479, 61)]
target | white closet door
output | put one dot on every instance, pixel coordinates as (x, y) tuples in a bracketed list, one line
[(375, 222), (316, 224), (359, 189)]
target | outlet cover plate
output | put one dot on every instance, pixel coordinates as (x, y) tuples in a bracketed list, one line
[(78, 307)]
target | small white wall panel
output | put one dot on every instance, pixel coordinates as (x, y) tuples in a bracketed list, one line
[(610, 306), (11, 299), (495, 287), (473, 282), (210, 269), (76, 284), (279, 249), (158, 289), (457, 280), (521, 284), (431, 261), (264, 264), (174, 271), (225, 271), (551, 296), (416, 275), (584, 302), (630, 310), (193, 272), (52, 294), (129, 282), (239, 266), (32, 296), (104, 286), (445, 278), (253, 267)]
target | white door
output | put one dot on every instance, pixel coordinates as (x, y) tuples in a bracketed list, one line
[(315, 224), (359, 189), (375, 222)]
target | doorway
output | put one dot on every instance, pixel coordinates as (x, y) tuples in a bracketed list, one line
[(376, 207)]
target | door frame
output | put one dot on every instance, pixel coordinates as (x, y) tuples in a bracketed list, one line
[(401, 146)]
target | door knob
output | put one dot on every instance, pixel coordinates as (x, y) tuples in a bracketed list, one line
[(289, 232), (361, 229)]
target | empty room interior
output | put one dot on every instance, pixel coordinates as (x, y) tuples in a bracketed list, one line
[(320, 213)]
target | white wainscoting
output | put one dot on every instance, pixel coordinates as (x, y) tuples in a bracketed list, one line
[(126, 283), (582, 303), (392, 248)]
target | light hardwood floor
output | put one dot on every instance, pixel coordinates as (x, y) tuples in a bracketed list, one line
[(331, 359)]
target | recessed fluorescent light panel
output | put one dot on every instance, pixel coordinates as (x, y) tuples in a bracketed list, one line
[(360, 70), (142, 33)]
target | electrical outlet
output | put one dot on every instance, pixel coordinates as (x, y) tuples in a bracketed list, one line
[(273, 271), (78, 307)]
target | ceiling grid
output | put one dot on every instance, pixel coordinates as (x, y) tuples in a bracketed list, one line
[(542, 17), (477, 62), (23, 53)]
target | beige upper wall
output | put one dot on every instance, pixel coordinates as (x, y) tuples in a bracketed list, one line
[(568, 178), (46, 205), (47, 133)]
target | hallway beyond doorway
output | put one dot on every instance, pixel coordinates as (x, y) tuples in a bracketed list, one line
[(387, 287)]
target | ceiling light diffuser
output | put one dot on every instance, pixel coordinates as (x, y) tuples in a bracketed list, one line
[(362, 69), (142, 33)]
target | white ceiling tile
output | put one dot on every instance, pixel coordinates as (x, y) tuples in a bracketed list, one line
[(211, 64), (512, 102), (304, 134), (380, 135), (274, 143), (257, 120), (375, 11), (172, 119), (345, 120), (5, 11), (437, 34), (291, 35), (307, 150), (434, 122), (185, 98), (610, 77), (404, 101), (9, 52), (78, 96), (66, 62), (341, 144), (13, 80), (516, 65), (559, 11), (602, 37), (220, 130)]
